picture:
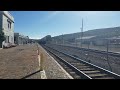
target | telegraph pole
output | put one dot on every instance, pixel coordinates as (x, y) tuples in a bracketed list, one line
[(62, 39), (81, 33), (76, 42), (107, 55), (89, 51)]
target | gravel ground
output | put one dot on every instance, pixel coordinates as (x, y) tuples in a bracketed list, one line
[(18, 62), (52, 69), (115, 49)]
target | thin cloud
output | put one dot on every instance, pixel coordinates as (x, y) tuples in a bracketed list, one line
[(51, 14)]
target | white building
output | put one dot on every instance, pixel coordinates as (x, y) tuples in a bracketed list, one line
[(20, 39), (85, 40), (7, 25)]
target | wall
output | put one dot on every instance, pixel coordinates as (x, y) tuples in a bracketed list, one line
[(16, 35), (0, 27), (7, 31), (0, 21)]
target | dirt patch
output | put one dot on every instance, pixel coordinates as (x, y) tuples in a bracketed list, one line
[(17, 62)]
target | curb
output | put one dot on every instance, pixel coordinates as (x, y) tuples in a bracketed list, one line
[(42, 73)]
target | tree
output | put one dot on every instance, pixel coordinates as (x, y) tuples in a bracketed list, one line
[(2, 37)]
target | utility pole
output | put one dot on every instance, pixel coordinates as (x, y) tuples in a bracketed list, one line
[(76, 42), (56, 41), (62, 39), (107, 54), (88, 50), (81, 33)]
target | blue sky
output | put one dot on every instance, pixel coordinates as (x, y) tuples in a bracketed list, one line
[(37, 24)]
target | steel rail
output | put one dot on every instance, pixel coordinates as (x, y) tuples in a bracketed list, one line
[(96, 51), (82, 74), (90, 64)]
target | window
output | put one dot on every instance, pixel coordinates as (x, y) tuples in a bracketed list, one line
[(5, 39), (8, 39), (9, 24)]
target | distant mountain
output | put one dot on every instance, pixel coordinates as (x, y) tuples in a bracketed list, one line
[(99, 33)]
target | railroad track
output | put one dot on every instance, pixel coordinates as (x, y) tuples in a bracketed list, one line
[(92, 50), (80, 69)]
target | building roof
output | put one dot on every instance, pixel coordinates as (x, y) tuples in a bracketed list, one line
[(8, 15)]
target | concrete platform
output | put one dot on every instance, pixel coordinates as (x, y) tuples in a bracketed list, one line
[(22, 62), (52, 68)]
